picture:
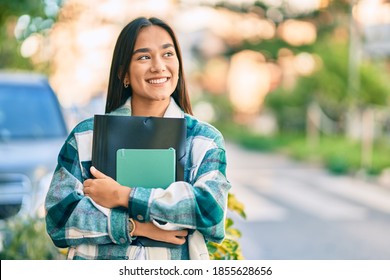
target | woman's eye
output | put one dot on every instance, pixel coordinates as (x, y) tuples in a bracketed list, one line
[(144, 57), (169, 54)]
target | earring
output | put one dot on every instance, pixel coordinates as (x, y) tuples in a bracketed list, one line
[(126, 84)]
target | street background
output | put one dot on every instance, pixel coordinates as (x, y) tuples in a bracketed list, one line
[(297, 211), (298, 88)]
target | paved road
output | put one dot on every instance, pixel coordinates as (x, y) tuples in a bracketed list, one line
[(298, 211)]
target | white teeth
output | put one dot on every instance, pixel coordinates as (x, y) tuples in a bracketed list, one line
[(158, 81)]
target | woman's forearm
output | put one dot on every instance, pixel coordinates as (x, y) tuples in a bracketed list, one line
[(153, 232)]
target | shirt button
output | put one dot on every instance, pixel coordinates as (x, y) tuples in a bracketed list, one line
[(140, 217), (122, 240)]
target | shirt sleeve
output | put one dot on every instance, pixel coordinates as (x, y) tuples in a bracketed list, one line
[(199, 203), (72, 218)]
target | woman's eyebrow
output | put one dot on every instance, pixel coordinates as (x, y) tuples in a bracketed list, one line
[(146, 50), (167, 45), (142, 50)]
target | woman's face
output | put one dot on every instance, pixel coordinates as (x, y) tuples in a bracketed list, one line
[(154, 67)]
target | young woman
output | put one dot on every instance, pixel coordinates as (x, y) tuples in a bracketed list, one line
[(95, 216)]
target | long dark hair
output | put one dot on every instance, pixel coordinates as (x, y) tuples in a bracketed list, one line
[(117, 93)]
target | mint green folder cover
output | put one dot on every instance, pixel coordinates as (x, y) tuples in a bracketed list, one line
[(147, 168)]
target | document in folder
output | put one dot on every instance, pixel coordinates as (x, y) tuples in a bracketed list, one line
[(147, 168)]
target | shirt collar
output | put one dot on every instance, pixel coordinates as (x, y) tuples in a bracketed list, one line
[(173, 110)]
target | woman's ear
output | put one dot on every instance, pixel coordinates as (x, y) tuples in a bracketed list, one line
[(126, 79), (120, 72)]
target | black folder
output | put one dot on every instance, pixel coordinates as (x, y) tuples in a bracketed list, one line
[(113, 132)]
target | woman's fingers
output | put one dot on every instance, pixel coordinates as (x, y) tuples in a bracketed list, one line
[(89, 183), (181, 233), (180, 241), (87, 186), (178, 236), (97, 174)]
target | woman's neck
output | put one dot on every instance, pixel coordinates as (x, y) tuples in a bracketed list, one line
[(148, 108)]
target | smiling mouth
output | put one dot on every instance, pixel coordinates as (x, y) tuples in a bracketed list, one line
[(158, 81)]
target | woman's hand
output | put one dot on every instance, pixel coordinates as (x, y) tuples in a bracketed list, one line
[(105, 191), (153, 232)]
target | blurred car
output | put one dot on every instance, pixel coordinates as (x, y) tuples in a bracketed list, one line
[(32, 131)]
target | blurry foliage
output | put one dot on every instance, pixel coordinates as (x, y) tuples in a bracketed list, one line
[(290, 106), (25, 238), (222, 107), (375, 84), (9, 58), (337, 153), (331, 81), (9, 13), (236, 206), (329, 88), (242, 135), (230, 248), (41, 20), (17, 8)]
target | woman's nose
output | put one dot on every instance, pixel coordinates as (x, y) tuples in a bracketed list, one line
[(157, 66)]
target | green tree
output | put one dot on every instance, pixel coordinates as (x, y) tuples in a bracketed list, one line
[(17, 8), (40, 15), (329, 85)]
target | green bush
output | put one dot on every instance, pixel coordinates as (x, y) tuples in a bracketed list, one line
[(230, 248), (25, 238), (338, 154), (337, 165)]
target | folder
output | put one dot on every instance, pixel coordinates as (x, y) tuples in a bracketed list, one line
[(113, 132), (146, 168)]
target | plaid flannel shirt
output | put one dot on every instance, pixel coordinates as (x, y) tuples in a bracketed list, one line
[(94, 232)]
